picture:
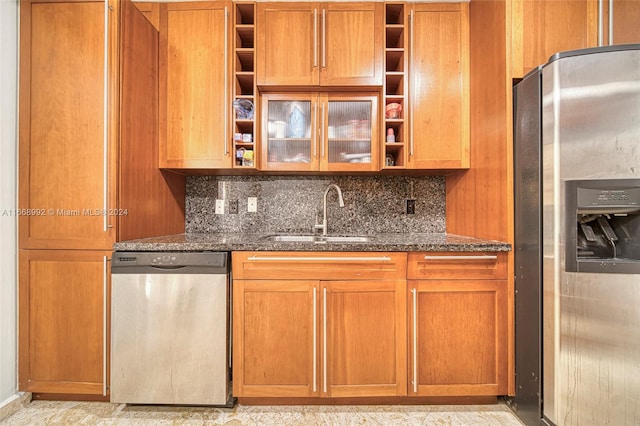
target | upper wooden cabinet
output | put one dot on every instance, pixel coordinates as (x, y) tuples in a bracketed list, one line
[(320, 132), (439, 86), (326, 44), (543, 28), (88, 131), (195, 99)]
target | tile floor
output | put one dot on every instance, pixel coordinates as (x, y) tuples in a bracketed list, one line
[(102, 413)]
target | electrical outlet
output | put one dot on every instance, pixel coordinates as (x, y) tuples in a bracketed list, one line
[(252, 204), (219, 206), (411, 206), (233, 206)]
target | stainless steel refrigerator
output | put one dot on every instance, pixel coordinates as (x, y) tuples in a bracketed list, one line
[(577, 239)]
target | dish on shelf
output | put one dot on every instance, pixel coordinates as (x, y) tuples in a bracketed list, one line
[(392, 110), (355, 158)]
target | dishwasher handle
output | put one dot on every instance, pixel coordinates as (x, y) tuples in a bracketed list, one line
[(168, 268)]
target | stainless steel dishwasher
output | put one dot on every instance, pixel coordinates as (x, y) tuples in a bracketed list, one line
[(170, 328)]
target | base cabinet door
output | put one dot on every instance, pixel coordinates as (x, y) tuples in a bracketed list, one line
[(363, 338), (457, 337), (63, 332), (325, 339), (275, 338)]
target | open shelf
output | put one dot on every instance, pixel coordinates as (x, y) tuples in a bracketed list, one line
[(244, 130), (395, 84)]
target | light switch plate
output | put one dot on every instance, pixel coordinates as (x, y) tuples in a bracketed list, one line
[(219, 206), (252, 204)]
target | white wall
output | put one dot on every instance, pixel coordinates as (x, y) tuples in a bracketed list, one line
[(8, 183)]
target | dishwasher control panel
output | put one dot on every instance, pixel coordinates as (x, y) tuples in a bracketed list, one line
[(208, 262)]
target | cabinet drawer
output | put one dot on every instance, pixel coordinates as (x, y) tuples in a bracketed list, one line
[(319, 265), (457, 265)]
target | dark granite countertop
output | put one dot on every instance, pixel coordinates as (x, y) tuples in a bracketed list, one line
[(261, 242)]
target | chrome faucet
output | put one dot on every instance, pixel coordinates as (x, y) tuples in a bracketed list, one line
[(323, 226)]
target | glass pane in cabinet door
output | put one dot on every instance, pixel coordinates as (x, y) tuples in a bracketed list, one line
[(289, 131), (349, 131)]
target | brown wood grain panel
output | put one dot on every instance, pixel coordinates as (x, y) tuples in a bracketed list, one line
[(274, 335), (62, 153), (353, 34), (151, 11), (151, 201), (626, 22), (439, 87), (301, 265), (547, 27), (61, 321), (292, 27), (457, 265), (366, 329), (195, 85), (461, 337)]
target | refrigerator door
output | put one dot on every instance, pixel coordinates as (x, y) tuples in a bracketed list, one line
[(591, 321)]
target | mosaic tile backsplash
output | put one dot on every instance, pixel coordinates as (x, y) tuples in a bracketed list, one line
[(293, 204)]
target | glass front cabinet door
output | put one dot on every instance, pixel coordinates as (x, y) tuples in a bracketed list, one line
[(320, 132)]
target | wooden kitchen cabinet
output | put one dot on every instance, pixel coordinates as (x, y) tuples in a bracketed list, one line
[(63, 154), (439, 122), (363, 324), (319, 324), (275, 333), (320, 44), (543, 28), (63, 321), (625, 16), (320, 132), (88, 177), (195, 101), (457, 324), (83, 186)]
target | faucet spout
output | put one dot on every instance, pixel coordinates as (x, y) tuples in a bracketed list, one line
[(323, 226)]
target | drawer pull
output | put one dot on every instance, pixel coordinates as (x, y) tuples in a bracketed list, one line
[(483, 257), (319, 259)]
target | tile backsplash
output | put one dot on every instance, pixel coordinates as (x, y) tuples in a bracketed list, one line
[(293, 204)]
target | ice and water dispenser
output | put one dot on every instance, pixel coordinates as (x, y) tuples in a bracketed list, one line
[(603, 226)]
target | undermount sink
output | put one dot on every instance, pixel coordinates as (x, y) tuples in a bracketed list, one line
[(318, 239), (293, 238), (346, 239)]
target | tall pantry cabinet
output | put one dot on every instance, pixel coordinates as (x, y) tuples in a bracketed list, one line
[(88, 177)]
